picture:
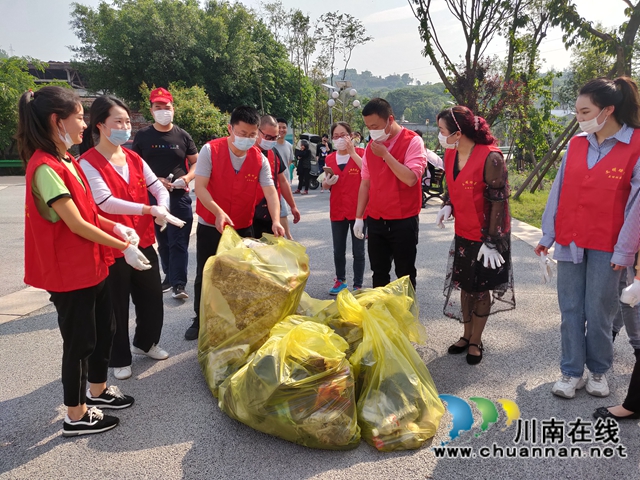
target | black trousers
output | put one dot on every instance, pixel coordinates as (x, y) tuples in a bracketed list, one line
[(87, 325), (207, 240), (262, 226), (304, 176), (392, 241), (632, 402), (144, 287)]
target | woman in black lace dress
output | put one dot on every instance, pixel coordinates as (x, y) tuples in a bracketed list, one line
[(477, 196)]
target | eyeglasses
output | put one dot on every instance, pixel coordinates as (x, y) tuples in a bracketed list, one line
[(344, 135), (268, 137)]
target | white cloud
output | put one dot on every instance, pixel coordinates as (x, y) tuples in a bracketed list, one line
[(390, 15)]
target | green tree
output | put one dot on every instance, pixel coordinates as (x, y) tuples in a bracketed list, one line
[(14, 81), (194, 112)]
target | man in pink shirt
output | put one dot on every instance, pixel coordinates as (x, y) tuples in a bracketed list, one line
[(390, 193)]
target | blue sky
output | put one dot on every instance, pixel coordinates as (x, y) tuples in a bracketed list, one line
[(40, 29)]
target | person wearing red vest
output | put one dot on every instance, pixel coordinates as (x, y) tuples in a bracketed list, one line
[(343, 179), (391, 193), (267, 139), (120, 183), (593, 216), (477, 196), (68, 248), (229, 173)]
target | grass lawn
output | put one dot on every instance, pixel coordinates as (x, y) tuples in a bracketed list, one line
[(529, 207)]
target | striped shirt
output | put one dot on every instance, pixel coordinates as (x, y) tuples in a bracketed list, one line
[(629, 236)]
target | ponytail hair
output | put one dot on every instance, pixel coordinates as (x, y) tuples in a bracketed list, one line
[(473, 127), (98, 113), (34, 119), (622, 93)]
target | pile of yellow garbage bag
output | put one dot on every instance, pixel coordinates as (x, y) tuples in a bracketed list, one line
[(320, 373)]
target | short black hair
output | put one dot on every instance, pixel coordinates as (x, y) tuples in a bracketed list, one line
[(245, 114), (377, 106), (282, 120), (324, 135)]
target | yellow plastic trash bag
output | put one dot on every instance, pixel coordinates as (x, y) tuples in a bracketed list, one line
[(246, 288), (299, 386), (398, 404)]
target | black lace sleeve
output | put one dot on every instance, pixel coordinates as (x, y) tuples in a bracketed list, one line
[(497, 221)]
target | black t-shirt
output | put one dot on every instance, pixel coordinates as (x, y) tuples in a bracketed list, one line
[(165, 152)]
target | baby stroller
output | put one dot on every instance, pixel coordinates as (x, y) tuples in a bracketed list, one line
[(314, 140)]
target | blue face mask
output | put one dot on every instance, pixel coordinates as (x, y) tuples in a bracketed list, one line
[(243, 143), (119, 137)]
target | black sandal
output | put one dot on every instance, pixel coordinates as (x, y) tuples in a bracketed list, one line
[(475, 359), (455, 349)]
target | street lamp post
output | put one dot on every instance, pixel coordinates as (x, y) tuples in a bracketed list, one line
[(339, 95)]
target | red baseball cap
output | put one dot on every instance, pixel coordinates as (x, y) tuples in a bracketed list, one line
[(160, 95)]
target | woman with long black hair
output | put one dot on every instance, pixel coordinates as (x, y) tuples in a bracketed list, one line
[(121, 182), (593, 216), (477, 196), (65, 254)]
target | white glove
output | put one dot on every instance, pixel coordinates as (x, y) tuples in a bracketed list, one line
[(126, 233), (631, 294), (443, 214), (180, 183), (492, 258), (545, 267), (163, 217), (331, 179), (358, 228), (135, 258)]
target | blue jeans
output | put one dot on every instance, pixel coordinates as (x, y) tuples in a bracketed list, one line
[(340, 230), (628, 316), (173, 243), (588, 299)]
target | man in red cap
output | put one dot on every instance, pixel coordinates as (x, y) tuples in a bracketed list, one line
[(167, 149)]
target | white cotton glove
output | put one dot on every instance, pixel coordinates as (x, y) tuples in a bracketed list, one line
[(444, 214), (331, 179), (126, 233), (545, 267), (358, 228), (162, 217), (135, 258), (181, 183), (492, 258), (631, 294)]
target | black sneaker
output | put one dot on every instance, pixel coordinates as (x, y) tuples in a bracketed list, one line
[(178, 292), (193, 331), (166, 285), (93, 421), (112, 397)]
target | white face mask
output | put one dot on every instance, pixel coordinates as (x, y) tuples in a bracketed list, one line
[(163, 117), (380, 135), (68, 143), (267, 144), (592, 126), (443, 141), (243, 143), (340, 144)]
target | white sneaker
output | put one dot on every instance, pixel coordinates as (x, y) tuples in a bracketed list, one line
[(122, 373), (154, 352), (566, 387), (597, 385)]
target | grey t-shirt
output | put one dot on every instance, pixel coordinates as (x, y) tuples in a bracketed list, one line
[(203, 169), (286, 152)]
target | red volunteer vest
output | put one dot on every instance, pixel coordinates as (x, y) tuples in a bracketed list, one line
[(55, 258), (389, 198), (274, 173), (467, 191), (234, 192), (598, 193), (134, 191), (344, 194)]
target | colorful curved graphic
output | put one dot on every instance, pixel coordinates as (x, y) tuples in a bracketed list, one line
[(511, 409), (461, 413), (488, 410)]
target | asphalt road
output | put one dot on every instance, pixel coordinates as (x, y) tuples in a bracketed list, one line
[(175, 429)]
